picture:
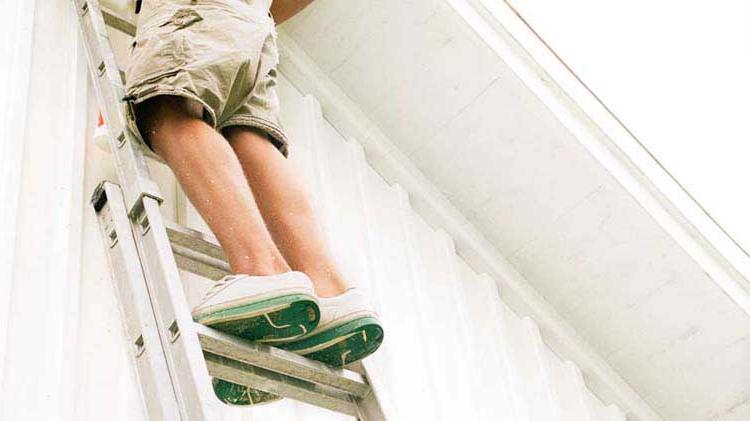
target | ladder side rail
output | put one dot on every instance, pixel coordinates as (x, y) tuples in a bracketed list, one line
[(182, 350), (131, 168), (133, 300), (181, 345)]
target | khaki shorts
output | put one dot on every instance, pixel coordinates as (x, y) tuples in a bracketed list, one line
[(221, 53)]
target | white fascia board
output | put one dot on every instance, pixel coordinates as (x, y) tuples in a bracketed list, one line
[(610, 142), (18, 24), (471, 245)]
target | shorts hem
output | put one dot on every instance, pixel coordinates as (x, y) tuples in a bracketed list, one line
[(275, 133), (167, 91)]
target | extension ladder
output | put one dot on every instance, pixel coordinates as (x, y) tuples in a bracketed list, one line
[(174, 356)]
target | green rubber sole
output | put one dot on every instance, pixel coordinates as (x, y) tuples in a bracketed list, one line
[(345, 344), (341, 345), (240, 395), (290, 316), (269, 320)]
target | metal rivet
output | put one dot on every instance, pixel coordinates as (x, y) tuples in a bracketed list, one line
[(143, 223), (174, 331), (112, 238), (140, 347), (121, 140)]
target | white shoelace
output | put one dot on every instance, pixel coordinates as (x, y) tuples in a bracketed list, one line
[(219, 285)]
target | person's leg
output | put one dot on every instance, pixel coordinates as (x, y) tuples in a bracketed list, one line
[(211, 176), (286, 208)]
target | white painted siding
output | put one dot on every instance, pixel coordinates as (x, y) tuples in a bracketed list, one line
[(453, 349), (551, 183), (42, 208)]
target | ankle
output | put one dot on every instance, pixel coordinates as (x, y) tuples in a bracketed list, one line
[(328, 292), (328, 284), (260, 267)]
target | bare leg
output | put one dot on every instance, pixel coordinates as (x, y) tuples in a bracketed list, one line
[(213, 180), (286, 208)]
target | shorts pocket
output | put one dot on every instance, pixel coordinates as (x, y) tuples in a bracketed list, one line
[(161, 47), (167, 21), (182, 18)]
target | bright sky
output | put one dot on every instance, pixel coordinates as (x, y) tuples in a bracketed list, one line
[(677, 73)]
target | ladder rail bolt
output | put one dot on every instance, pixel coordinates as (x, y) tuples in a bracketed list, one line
[(140, 346), (143, 223), (112, 235), (174, 331), (121, 140)]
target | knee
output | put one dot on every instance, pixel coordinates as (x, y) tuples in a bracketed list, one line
[(161, 119)]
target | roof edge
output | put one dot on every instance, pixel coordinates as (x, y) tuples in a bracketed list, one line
[(611, 143)]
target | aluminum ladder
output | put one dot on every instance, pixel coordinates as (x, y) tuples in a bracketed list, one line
[(174, 356)]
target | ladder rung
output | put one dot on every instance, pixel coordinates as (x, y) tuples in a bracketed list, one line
[(281, 372), (197, 252), (262, 366), (280, 361), (289, 387), (115, 21)]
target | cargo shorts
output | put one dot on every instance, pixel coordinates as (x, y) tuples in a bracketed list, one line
[(221, 53)]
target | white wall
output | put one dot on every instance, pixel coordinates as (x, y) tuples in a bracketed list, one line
[(44, 105), (453, 350)]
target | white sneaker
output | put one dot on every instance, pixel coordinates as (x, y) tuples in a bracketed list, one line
[(269, 309), (348, 331)]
